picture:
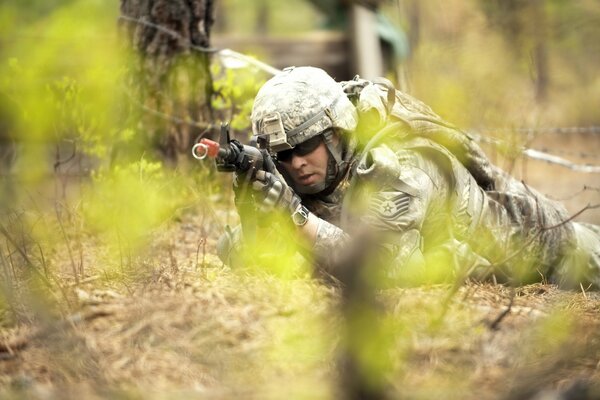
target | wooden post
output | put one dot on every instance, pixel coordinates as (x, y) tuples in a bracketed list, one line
[(367, 57)]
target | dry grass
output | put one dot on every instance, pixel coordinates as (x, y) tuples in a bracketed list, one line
[(182, 325)]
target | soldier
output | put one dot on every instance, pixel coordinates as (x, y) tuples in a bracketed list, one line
[(360, 153)]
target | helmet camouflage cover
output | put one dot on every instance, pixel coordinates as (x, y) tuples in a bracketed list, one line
[(298, 104)]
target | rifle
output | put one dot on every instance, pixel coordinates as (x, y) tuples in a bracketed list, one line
[(232, 156)]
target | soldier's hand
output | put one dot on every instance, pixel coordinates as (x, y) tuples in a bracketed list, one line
[(243, 192), (241, 181), (271, 192)]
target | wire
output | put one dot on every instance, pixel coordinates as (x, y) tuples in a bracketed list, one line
[(544, 155), (560, 130), (531, 153), (169, 32), (223, 53)]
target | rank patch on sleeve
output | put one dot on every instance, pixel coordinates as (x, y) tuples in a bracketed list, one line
[(389, 205)]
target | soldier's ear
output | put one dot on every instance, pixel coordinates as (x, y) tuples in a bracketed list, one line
[(336, 137), (339, 135)]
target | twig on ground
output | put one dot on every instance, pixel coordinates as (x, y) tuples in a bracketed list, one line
[(68, 243), (494, 325), (201, 243), (86, 280), (58, 162), (24, 255)]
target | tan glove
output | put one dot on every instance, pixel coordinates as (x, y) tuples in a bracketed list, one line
[(271, 192)]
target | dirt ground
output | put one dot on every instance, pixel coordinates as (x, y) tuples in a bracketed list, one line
[(176, 323)]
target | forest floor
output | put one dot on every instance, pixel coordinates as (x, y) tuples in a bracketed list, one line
[(178, 324)]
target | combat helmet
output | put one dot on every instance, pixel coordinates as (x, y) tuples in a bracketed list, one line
[(298, 104)]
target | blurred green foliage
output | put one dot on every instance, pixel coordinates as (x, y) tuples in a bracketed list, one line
[(64, 72), (476, 63), (63, 78), (129, 201), (235, 91)]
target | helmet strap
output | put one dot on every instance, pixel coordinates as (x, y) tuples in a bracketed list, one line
[(334, 150)]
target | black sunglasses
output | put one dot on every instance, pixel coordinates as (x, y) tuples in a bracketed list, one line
[(301, 149)]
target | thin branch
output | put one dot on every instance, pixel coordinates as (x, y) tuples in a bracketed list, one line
[(43, 259), (544, 229), (23, 254), (572, 217), (585, 188), (68, 242), (583, 290), (200, 243), (60, 162)]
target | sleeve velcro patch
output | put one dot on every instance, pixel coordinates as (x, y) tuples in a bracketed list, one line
[(388, 206)]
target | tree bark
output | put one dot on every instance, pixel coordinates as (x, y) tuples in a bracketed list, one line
[(525, 25), (540, 51), (171, 81)]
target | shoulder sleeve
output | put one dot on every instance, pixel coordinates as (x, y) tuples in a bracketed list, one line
[(394, 193), (395, 189)]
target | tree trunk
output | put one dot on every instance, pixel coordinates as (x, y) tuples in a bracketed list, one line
[(171, 83), (525, 25), (262, 18), (365, 44), (540, 51)]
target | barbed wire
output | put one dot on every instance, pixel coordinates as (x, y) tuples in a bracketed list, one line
[(223, 53), (586, 188), (541, 155), (165, 116), (169, 32), (570, 130)]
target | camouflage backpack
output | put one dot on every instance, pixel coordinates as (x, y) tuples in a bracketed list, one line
[(378, 103)]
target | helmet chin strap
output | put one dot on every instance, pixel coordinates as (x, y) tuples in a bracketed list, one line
[(336, 164)]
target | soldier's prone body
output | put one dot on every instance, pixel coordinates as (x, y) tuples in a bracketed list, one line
[(362, 154)]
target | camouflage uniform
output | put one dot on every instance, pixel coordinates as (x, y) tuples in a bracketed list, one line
[(439, 208)]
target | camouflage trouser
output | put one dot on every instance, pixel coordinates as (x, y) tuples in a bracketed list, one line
[(567, 252), (229, 246), (581, 265)]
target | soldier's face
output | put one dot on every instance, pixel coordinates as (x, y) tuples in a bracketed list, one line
[(307, 170)]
